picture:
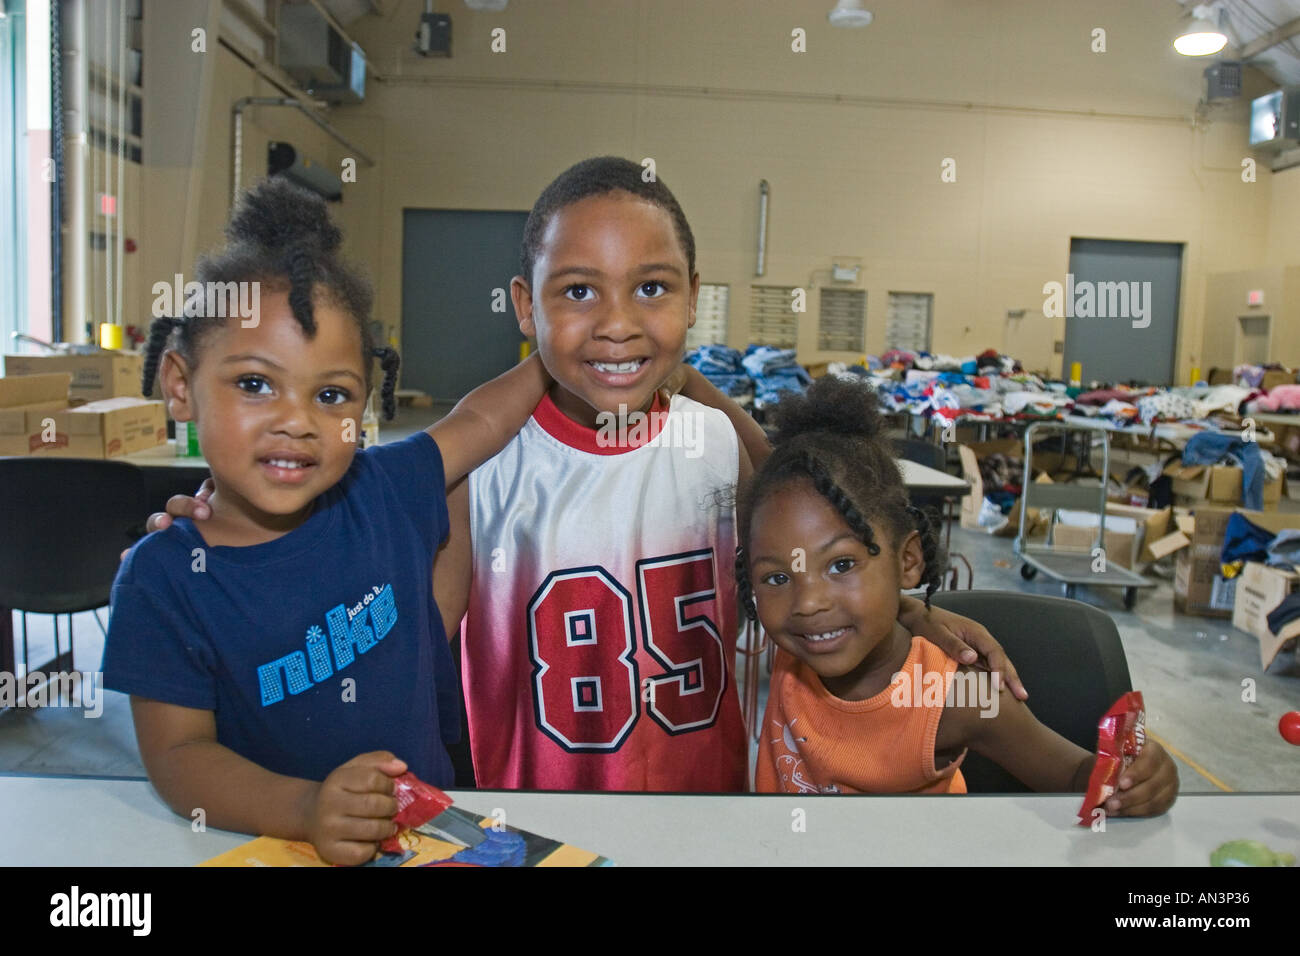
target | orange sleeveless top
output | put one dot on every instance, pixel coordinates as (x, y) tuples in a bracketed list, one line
[(813, 742)]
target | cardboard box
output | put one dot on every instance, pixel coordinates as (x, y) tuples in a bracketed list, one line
[(1275, 377), (1133, 535), (31, 389), (1119, 541), (1260, 589), (1199, 588), (1216, 484), (107, 428), (104, 429), (22, 396), (97, 376), (1035, 522), (974, 501)]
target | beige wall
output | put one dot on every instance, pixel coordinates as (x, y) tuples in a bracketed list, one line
[(1051, 141)]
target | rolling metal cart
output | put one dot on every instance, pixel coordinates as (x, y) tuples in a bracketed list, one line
[(1070, 566)]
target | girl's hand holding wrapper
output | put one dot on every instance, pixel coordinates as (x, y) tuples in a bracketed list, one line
[(1132, 776), (417, 804)]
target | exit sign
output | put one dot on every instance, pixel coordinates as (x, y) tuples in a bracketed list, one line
[(1255, 297)]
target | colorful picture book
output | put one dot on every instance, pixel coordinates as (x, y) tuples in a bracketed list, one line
[(504, 846)]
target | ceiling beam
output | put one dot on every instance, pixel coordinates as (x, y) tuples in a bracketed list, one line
[(1271, 39)]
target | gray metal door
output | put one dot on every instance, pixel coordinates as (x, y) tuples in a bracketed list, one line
[(1122, 320), (453, 263)]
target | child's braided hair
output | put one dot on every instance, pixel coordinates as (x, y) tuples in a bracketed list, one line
[(831, 436), (280, 236)]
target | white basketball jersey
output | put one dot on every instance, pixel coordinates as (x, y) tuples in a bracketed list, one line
[(601, 632)]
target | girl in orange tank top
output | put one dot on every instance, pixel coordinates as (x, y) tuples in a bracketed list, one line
[(858, 705)]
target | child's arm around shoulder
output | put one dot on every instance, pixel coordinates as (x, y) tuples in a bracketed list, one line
[(1000, 727), (753, 440), (484, 421), (344, 817)]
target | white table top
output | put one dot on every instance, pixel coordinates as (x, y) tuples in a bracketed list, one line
[(164, 456), (123, 823)]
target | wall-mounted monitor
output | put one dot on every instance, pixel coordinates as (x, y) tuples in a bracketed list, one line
[(1275, 119)]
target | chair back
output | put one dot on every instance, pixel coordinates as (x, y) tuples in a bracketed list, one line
[(63, 527), (1068, 655), (922, 452)]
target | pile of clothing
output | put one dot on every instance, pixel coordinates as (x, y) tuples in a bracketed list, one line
[(1253, 375), (762, 372), (722, 367), (1257, 466), (774, 371), (1003, 477), (988, 387), (1243, 541), (1281, 398)]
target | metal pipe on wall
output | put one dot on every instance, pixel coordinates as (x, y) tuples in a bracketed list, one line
[(763, 191), (75, 148), (56, 188), (123, 125)]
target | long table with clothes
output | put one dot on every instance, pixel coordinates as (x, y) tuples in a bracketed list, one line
[(995, 393)]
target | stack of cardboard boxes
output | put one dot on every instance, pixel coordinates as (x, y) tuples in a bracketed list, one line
[(77, 406)]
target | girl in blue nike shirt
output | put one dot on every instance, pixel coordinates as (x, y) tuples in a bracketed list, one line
[(286, 662)]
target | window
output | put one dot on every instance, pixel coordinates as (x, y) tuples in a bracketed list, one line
[(908, 325), (772, 320), (842, 322), (710, 317)]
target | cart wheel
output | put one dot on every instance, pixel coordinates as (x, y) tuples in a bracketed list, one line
[(1069, 590), (1130, 598), (1028, 572)]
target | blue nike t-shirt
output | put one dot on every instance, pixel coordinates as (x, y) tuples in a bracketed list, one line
[(313, 648)]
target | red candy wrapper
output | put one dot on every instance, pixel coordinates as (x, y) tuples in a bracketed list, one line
[(1120, 736), (417, 803)]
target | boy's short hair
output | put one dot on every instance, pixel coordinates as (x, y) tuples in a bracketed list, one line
[(600, 176)]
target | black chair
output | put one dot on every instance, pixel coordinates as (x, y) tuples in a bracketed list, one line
[(922, 452), (938, 507), (63, 527), (1068, 655)]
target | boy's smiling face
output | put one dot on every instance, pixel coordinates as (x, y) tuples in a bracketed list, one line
[(272, 408), (609, 302)]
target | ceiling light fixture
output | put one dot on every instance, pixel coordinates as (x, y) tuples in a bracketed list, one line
[(1203, 36)]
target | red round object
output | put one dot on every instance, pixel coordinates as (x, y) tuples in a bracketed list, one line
[(1289, 727)]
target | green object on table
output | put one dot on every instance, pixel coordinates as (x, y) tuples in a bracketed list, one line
[(1248, 853), (187, 440)]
